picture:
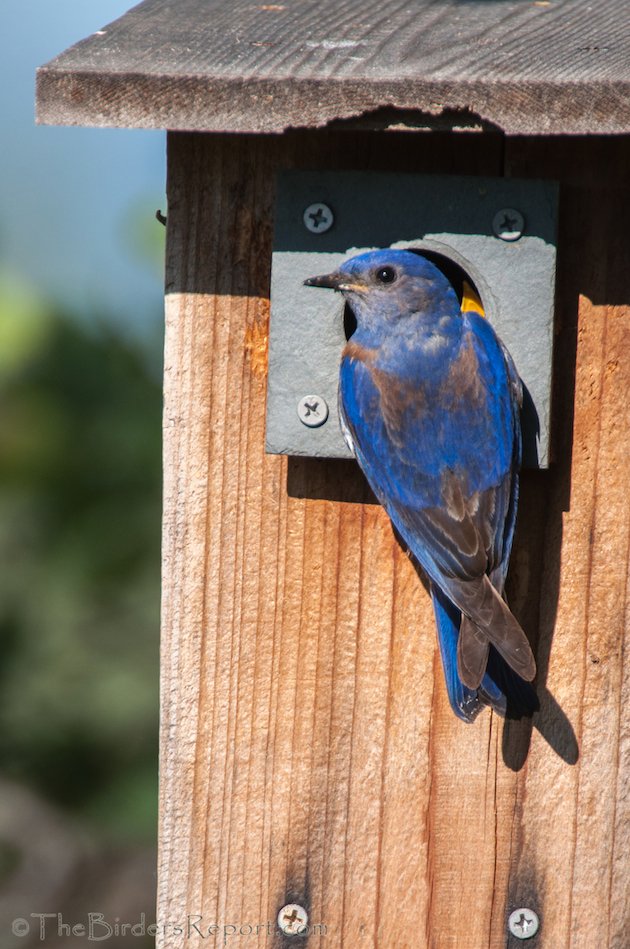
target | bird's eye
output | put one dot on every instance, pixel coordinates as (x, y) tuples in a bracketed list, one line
[(385, 274)]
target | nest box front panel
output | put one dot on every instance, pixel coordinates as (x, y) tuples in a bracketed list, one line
[(496, 234)]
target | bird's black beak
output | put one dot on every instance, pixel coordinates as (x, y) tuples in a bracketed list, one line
[(336, 281), (331, 281)]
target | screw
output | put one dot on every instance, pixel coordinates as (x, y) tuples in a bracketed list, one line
[(293, 919), (318, 218), (508, 224), (523, 923), (312, 410)]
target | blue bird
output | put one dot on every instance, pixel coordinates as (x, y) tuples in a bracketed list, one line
[(430, 401)]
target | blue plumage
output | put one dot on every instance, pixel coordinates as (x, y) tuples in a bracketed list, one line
[(430, 399)]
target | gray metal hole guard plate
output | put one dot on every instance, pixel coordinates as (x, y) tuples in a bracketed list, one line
[(452, 216)]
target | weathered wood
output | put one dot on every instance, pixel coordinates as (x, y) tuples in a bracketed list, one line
[(575, 822), (308, 750), (534, 67)]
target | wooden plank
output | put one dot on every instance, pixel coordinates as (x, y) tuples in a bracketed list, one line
[(538, 67), (575, 821)]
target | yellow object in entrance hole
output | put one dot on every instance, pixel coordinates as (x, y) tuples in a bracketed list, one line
[(470, 300)]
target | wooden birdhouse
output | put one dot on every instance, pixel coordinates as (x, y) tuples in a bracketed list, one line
[(315, 788)]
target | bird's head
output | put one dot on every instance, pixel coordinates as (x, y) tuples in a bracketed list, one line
[(383, 286)]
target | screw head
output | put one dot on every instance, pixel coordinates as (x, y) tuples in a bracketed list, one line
[(318, 218), (523, 923), (293, 919), (312, 410), (508, 224)]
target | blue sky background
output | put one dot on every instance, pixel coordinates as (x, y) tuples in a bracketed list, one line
[(75, 202)]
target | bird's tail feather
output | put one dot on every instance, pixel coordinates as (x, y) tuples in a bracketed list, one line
[(490, 619), (465, 702), (473, 647), (500, 687)]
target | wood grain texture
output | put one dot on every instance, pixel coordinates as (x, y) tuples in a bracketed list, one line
[(576, 821), (558, 67), (308, 752)]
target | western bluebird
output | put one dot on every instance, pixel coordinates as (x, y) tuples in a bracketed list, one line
[(429, 401)]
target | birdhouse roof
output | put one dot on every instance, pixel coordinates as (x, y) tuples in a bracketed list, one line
[(524, 66)]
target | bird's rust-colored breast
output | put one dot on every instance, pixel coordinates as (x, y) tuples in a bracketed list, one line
[(397, 397), (359, 353)]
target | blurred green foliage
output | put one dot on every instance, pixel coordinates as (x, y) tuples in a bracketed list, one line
[(80, 488)]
